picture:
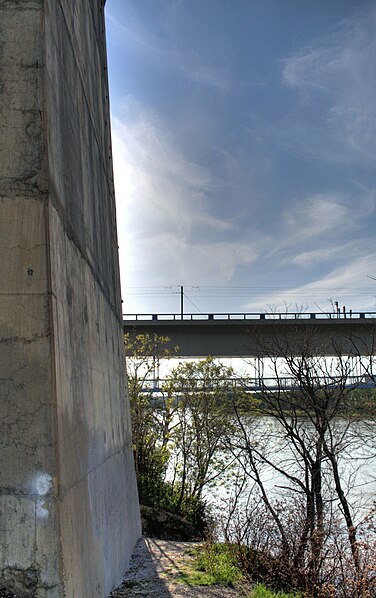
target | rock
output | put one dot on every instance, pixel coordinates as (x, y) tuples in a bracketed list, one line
[(157, 523)]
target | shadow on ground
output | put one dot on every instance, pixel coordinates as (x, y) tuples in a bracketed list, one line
[(143, 577), (157, 569)]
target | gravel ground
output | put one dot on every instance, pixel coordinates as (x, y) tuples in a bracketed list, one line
[(154, 572)]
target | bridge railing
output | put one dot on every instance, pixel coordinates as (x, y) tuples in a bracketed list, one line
[(350, 315), (159, 385)]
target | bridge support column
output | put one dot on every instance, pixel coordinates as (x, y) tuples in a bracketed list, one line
[(69, 513)]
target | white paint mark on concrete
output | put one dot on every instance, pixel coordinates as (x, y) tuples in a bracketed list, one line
[(42, 511), (42, 483)]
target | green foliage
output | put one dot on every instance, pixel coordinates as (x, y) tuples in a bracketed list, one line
[(204, 394), (181, 434), (186, 420), (261, 591), (150, 418), (218, 563), (362, 402), (214, 564), (146, 347), (155, 492), (198, 578)]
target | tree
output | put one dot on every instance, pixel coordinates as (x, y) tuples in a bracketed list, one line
[(151, 415), (204, 391), (178, 430), (311, 431)]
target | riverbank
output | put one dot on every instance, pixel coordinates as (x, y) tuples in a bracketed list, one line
[(161, 568)]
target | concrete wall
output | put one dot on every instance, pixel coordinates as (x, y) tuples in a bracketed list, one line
[(68, 501)]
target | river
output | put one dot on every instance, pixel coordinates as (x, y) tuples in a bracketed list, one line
[(356, 456)]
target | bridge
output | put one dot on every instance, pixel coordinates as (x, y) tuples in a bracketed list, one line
[(160, 386), (259, 334)]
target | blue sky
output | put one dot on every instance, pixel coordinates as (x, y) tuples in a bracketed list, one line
[(244, 152)]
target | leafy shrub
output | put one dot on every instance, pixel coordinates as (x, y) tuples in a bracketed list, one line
[(261, 591), (218, 561)]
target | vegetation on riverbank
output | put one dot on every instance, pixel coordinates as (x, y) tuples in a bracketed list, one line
[(194, 434), (261, 591), (214, 564), (218, 564), (177, 436), (360, 403)]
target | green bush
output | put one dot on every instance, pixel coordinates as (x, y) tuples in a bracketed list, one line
[(261, 591), (159, 494), (217, 561)]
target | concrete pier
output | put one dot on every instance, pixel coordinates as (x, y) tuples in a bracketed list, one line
[(69, 514)]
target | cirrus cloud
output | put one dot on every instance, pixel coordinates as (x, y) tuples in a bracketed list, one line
[(334, 117)]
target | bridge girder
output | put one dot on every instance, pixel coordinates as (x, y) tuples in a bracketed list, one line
[(263, 337)]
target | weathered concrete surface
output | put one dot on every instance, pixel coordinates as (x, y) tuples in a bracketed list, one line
[(68, 503)]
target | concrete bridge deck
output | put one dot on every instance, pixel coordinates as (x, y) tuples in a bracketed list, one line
[(257, 334)]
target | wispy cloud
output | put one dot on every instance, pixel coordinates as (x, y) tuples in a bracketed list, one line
[(167, 257), (347, 283), (167, 52), (163, 211), (314, 227), (161, 184), (318, 214), (219, 184), (328, 253), (335, 114), (191, 66)]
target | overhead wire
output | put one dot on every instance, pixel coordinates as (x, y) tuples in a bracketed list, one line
[(241, 291)]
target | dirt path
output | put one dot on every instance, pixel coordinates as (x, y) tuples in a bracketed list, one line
[(155, 569)]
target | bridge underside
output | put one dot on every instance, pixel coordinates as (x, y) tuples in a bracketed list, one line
[(256, 338)]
